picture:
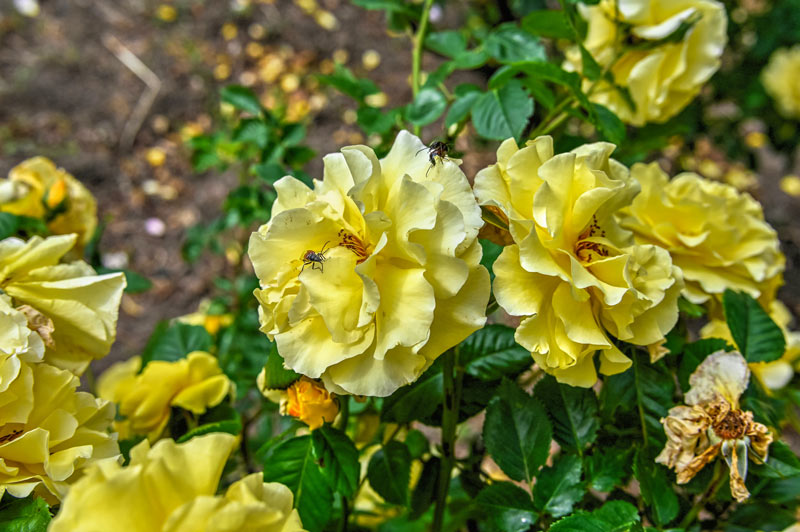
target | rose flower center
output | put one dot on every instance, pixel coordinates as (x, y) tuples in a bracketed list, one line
[(732, 426)]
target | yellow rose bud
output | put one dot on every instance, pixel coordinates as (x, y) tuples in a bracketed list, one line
[(660, 77), (173, 486), (56, 194), (47, 187), (311, 403), (572, 273)]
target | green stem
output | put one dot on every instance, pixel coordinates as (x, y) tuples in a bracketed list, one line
[(419, 45), (549, 123), (344, 412), (452, 379), (345, 514), (701, 500)]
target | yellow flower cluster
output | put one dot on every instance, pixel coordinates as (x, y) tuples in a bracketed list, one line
[(37, 188), (370, 276), (780, 80), (194, 383), (172, 487), (660, 52), (55, 318), (715, 234), (573, 274)]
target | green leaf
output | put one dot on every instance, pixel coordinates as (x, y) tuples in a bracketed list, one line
[(760, 517), (417, 443), (277, 375), (591, 70), (572, 411), (173, 342), (508, 507), (337, 457), (389, 471), (30, 514), (415, 401), (613, 516), (230, 426), (510, 44), (644, 392), (8, 225), (694, 353), (447, 43), (781, 462), (428, 105), (559, 487), (502, 113), (461, 108), (693, 310), (374, 120), (492, 353), (516, 432), (657, 491), (758, 338), (241, 98), (399, 6), (345, 82), (425, 491), (609, 124), (490, 253), (548, 23), (607, 468), (292, 463)]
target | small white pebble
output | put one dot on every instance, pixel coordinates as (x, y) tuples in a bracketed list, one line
[(155, 227)]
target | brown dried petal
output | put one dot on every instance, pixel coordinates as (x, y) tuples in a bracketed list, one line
[(39, 323), (686, 428), (760, 438), (699, 462), (738, 489)]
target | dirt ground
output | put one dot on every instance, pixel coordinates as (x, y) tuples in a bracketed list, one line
[(65, 93)]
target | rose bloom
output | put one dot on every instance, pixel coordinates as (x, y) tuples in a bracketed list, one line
[(74, 309), (49, 431), (18, 344), (661, 77), (172, 487), (713, 423), (715, 234), (778, 373), (780, 80), (145, 398), (305, 399), (392, 279), (36, 188), (573, 275)]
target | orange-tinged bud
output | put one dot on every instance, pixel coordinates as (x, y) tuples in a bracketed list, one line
[(56, 194), (311, 403)]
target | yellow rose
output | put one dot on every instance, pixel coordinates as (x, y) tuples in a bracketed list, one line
[(172, 487), (572, 273), (51, 194), (393, 279), (81, 305), (660, 78), (715, 234), (780, 80), (49, 432), (194, 383), (773, 375)]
